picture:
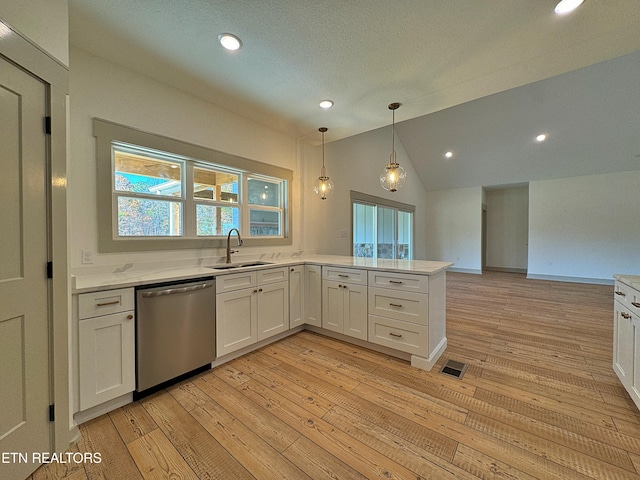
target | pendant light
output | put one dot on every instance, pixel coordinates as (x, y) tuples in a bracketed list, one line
[(393, 175), (324, 186)]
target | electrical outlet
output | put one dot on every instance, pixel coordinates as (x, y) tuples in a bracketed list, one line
[(87, 256)]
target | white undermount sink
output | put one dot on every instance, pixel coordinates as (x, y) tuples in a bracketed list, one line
[(227, 266)]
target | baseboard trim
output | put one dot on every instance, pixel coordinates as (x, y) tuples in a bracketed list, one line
[(506, 269), (562, 278), (465, 270)]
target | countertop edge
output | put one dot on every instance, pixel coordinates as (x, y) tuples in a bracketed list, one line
[(95, 283)]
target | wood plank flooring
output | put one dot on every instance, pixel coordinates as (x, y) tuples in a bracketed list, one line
[(538, 400)]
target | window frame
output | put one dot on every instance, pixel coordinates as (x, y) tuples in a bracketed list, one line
[(366, 199), (107, 133)]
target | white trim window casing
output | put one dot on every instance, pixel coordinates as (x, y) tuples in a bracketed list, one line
[(162, 193)]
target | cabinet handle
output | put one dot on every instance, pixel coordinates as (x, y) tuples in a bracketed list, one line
[(635, 304), (395, 305), (625, 315), (395, 281), (343, 275), (618, 292), (395, 335), (106, 304), (129, 317)]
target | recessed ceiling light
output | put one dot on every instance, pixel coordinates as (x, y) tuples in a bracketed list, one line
[(541, 138), (448, 154), (566, 6), (229, 41), (326, 104)]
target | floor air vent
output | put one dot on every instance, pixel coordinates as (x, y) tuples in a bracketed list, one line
[(453, 368)]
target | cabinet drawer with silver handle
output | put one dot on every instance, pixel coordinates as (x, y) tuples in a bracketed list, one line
[(403, 336), (399, 281), (344, 275), (406, 306), (106, 302)]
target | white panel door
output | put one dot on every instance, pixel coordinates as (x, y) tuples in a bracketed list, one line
[(273, 309), (296, 296), (236, 320), (332, 306), (24, 324), (355, 311)]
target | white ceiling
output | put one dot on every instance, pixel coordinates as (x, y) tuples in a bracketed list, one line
[(363, 54)]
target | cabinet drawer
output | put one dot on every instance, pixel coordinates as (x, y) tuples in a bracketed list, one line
[(105, 303), (406, 306), (235, 281), (345, 275), (407, 337), (627, 296), (272, 275), (399, 281)]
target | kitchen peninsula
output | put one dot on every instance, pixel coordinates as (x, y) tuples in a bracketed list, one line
[(397, 307)]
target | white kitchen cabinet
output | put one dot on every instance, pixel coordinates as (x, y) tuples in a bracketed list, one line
[(247, 315), (296, 295), (344, 304), (273, 309), (626, 338), (236, 320), (106, 346), (313, 295)]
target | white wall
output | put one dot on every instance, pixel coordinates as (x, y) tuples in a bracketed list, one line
[(354, 163), (102, 89), (585, 227), (454, 227), (44, 22), (507, 228)]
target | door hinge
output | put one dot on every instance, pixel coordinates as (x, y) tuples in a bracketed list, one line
[(52, 413), (47, 125), (49, 269)]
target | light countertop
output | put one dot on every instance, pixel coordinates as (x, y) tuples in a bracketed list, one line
[(130, 277), (632, 281)]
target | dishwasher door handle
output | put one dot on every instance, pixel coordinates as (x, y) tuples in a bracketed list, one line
[(171, 291)]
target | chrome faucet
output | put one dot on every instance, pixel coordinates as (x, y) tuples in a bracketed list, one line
[(229, 251)]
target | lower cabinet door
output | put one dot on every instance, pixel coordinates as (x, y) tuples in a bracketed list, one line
[(236, 320), (623, 343), (355, 311), (313, 295), (296, 296), (332, 306), (273, 309), (106, 358)]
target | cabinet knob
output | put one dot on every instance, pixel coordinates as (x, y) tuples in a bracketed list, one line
[(293, 269), (129, 317), (255, 291), (259, 289)]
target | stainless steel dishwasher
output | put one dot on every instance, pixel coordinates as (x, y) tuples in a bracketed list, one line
[(175, 331)]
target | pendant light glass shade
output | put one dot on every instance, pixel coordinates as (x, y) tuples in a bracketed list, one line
[(324, 185), (393, 176)]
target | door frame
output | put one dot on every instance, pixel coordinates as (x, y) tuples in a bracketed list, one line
[(26, 55)]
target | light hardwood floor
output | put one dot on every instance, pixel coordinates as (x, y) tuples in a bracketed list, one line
[(539, 400)]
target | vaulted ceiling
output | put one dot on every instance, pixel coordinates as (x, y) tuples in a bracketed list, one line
[(428, 55)]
